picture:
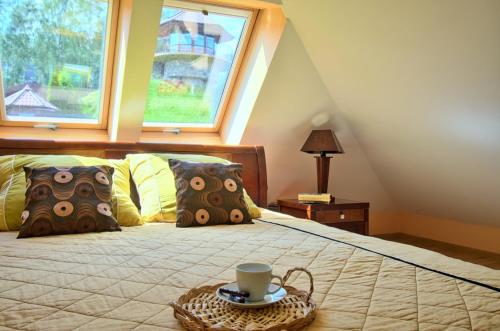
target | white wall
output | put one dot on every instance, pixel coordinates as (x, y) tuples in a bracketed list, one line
[(281, 121), (419, 83)]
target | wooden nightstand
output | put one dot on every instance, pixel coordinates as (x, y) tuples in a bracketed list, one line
[(343, 214)]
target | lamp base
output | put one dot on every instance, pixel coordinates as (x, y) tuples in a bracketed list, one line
[(323, 169)]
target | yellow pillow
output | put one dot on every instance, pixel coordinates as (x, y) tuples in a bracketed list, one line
[(155, 184), (13, 186)]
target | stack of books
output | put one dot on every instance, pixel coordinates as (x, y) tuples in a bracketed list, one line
[(315, 198)]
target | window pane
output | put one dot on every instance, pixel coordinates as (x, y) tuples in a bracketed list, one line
[(52, 59), (192, 65)]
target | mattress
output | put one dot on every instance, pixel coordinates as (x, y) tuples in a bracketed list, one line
[(124, 281)]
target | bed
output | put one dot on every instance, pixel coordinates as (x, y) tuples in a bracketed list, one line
[(124, 280)]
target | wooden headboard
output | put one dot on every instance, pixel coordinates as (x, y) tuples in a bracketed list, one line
[(252, 157)]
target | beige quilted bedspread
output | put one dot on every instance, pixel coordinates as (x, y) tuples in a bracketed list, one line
[(123, 281)]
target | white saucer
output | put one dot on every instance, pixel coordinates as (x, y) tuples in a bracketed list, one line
[(268, 299)]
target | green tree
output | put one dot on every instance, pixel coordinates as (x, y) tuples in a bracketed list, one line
[(44, 35)]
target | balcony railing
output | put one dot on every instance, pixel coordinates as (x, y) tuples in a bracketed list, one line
[(201, 46)]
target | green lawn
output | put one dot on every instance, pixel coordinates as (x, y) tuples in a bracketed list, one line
[(174, 106)]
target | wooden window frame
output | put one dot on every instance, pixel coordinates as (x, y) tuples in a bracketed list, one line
[(108, 67), (233, 74)]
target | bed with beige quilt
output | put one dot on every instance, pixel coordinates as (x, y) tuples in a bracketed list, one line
[(125, 280)]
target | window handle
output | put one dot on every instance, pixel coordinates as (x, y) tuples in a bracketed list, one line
[(50, 126), (172, 130)]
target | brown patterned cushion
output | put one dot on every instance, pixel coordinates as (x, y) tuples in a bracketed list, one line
[(209, 194), (67, 200)]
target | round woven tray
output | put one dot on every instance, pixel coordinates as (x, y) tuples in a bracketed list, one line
[(200, 309)]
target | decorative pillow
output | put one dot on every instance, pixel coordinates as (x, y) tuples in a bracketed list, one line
[(68, 200), (13, 185), (156, 184), (209, 194)]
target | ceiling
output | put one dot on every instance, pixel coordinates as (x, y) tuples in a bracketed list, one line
[(419, 84)]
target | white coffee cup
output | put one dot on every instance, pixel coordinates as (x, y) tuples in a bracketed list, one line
[(255, 279)]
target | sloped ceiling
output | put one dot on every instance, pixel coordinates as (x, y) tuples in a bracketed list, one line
[(419, 84)]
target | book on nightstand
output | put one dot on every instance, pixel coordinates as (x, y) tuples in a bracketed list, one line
[(315, 198)]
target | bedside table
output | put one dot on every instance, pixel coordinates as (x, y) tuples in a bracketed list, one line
[(343, 214)]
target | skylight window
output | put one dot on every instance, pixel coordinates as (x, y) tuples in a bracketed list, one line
[(196, 58), (54, 56)]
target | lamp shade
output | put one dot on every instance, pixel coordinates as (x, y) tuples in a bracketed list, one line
[(322, 142)]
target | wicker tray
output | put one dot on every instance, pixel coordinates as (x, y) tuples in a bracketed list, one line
[(200, 310)]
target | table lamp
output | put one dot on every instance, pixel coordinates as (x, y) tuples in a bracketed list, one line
[(322, 142)]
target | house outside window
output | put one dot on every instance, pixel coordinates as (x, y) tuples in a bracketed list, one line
[(195, 63)]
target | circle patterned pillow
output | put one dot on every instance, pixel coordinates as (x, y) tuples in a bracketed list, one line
[(209, 194), (67, 200)]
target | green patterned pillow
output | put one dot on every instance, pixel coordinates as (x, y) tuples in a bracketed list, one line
[(209, 194), (68, 200)]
